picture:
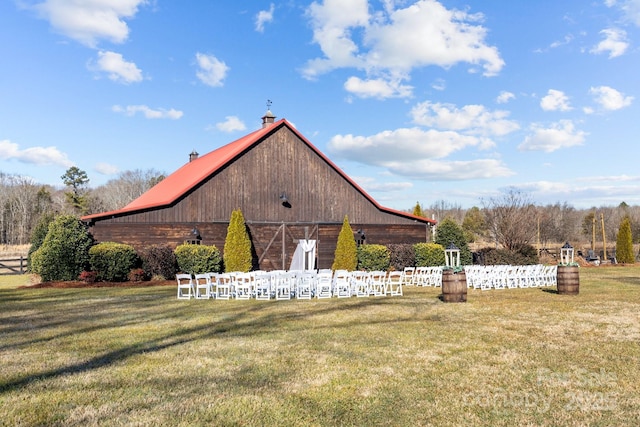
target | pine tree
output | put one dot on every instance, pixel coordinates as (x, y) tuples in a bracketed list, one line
[(450, 232), (237, 245), (417, 210), (624, 243), (346, 256)]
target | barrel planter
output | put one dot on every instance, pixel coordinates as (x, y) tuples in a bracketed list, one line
[(568, 280), (454, 286)]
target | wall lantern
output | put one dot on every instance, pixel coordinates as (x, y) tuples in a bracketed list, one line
[(452, 256), (285, 200), (360, 237), (566, 254), (196, 233)]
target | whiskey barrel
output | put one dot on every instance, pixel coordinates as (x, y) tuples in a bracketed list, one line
[(568, 280), (454, 286)]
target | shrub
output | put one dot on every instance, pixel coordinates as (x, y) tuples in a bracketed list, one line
[(624, 243), (526, 255), (346, 255), (449, 232), (137, 275), (37, 236), (87, 276), (112, 261), (401, 255), (429, 254), (373, 258), (159, 260), (237, 245), (64, 253), (198, 259)]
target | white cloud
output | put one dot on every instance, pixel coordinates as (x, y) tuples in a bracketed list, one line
[(89, 21), (34, 155), (555, 100), (439, 84), (389, 44), (615, 42), (377, 88), (371, 184), (231, 124), (405, 144), (562, 134), (263, 17), (473, 119), (505, 97), (147, 112), (117, 68), (432, 170), (609, 98), (630, 8), (106, 169), (211, 70)]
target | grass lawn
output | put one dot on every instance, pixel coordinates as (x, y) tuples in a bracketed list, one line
[(139, 356)]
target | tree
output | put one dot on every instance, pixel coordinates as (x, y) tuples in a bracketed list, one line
[(77, 180), (511, 219), (624, 243), (474, 225), (346, 255), (237, 245), (64, 253), (417, 210), (450, 232), (128, 186)]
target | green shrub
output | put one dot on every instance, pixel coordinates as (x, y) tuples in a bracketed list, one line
[(346, 255), (449, 232), (624, 243), (237, 245), (112, 261), (159, 261), (429, 254), (198, 259), (373, 258), (401, 255), (37, 236), (64, 253)]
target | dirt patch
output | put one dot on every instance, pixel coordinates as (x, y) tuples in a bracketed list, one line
[(80, 284)]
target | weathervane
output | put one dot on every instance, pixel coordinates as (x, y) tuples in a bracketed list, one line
[(268, 104)]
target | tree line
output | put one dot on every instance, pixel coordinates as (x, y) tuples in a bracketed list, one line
[(511, 219)]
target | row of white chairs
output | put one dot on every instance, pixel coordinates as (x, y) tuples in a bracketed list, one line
[(510, 276), (285, 285), (422, 276)]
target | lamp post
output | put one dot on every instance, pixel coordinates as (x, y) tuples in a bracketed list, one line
[(568, 275), (452, 256)]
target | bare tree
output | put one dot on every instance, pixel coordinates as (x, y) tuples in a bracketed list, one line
[(121, 191), (511, 219), (442, 209)]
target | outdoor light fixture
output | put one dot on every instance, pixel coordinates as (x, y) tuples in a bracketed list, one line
[(196, 233), (566, 254), (452, 256), (285, 200)]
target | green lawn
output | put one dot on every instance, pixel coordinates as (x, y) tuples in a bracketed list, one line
[(139, 356)]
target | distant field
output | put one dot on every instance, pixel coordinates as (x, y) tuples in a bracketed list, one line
[(138, 356)]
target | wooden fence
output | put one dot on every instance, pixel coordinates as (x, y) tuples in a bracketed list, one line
[(13, 266)]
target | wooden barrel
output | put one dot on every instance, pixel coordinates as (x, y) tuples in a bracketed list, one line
[(454, 286), (568, 280)]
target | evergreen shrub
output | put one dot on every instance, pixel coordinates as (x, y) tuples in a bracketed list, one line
[(429, 254), (373, 258), (113, 261), (159, 261), (401, 255), (346, 254), (198, 259)]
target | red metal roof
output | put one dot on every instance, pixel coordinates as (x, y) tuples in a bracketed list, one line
[(176, 185)]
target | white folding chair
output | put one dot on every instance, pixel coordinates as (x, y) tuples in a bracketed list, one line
[(360, 283), (394, 283), (185, 283), (323, 284), (285, 284), (243, 286), (377, 283), (342, 284), (305, 284), (262, 285), (224, 288), (203, 286), (408, 276)]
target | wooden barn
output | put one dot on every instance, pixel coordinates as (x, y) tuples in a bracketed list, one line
[(286, 188)]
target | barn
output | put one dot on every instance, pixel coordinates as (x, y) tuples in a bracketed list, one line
[(287, 190)]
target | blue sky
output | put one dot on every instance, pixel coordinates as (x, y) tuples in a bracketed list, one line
[(415, 100)]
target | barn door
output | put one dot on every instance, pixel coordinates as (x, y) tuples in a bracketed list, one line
[(275, 246)]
